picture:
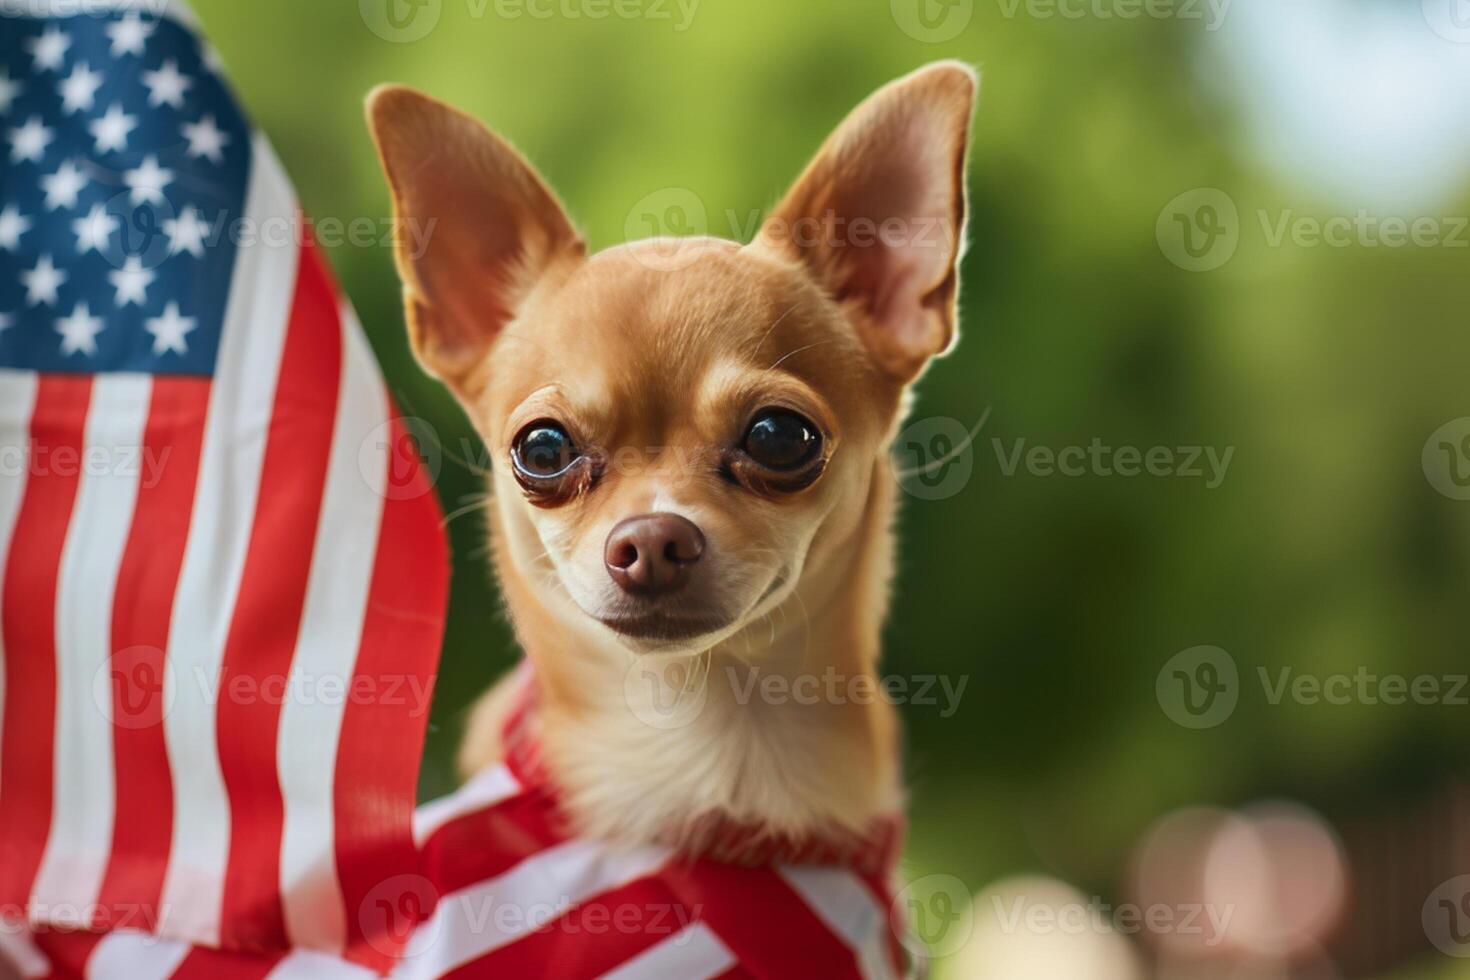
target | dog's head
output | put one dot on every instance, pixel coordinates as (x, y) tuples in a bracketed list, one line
[(680, 427)]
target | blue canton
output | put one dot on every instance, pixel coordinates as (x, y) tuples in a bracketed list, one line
[(124, 162)]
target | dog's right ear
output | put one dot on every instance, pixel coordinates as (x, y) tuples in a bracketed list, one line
[(475, 229)]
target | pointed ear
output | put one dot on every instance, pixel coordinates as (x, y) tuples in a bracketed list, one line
[(878, 217), (475, 228)]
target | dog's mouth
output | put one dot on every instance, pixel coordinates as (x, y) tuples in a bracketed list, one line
[(663, 626)]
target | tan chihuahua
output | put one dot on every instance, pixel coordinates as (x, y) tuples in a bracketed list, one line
[(691, 462)]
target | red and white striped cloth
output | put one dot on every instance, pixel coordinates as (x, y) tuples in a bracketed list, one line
[(223, 574), (505, 891)]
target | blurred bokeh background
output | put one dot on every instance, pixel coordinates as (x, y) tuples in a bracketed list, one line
[(1212, 230)]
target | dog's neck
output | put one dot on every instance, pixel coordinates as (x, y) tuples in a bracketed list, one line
[(783, 727)]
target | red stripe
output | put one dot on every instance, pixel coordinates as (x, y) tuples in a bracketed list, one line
[(67, 952), (487, 843), (209, 964), (27, 739), (769, 928), (267, 614), (141, 614), (592, 938), (382, 737)]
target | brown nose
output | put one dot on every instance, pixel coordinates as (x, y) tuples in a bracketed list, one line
[(651, 555)]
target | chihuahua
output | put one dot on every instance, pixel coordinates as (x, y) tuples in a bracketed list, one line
[(691, 477)]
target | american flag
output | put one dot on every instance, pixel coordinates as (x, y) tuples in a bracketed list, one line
[(222, 571)]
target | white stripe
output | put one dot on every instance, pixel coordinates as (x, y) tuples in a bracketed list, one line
[(305, 965), (80, 840), (693, 953), (846, 905), (322, 670), (22, 955), (241, 400), (485, 790), (484, 917), (136, 956), (17, 401)]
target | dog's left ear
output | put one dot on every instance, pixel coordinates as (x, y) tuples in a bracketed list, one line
[(879, 216)]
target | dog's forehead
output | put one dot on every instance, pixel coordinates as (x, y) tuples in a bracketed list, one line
[(671, 302)]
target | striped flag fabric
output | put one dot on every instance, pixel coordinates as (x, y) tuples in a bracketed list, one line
[(223, 574), (505, 891)]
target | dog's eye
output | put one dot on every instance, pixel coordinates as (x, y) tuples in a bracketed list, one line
[(543, 451), (781, 440)]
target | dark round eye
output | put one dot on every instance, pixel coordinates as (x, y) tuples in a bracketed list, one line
[(544, 450), (780, 439)]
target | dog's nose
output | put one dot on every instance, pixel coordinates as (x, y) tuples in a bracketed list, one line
[(650, 555)]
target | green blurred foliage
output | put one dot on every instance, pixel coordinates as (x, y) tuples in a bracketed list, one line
[(1060, 598)]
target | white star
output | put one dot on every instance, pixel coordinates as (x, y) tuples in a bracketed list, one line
[(111, 131), (187, 232), (42, 282), (9, 89), (12, 226), (95, 230), (79, 331), (29, 142), (79, 89), (132, 282), (7, 320), (168, 330), (128, 35), (167, 86), (63, 186), (148, 181), (49, 49), (206, 139)]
